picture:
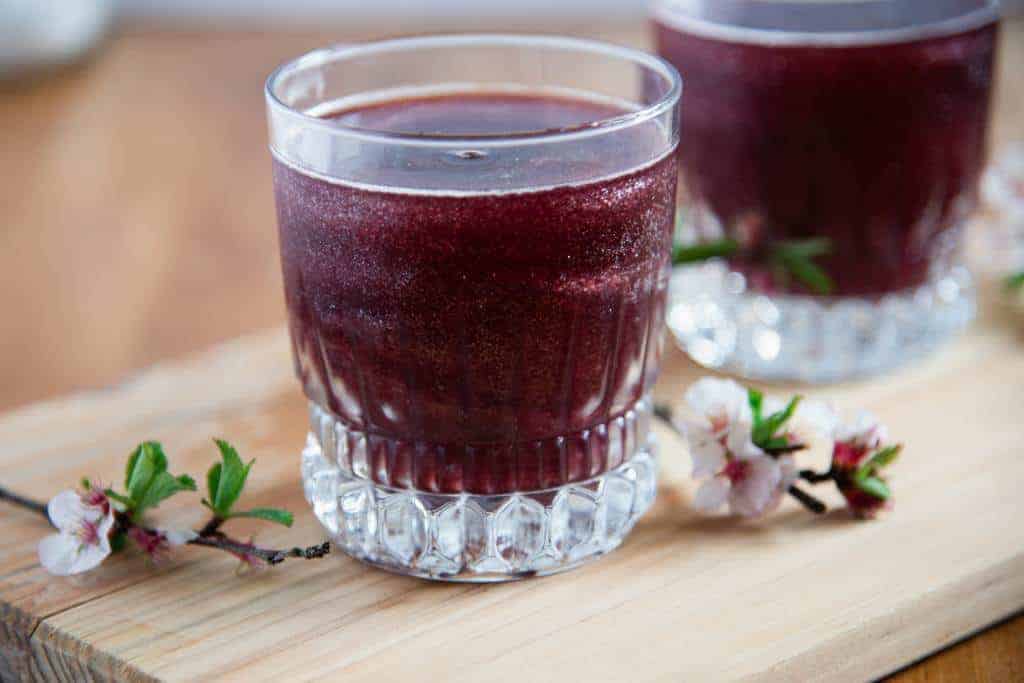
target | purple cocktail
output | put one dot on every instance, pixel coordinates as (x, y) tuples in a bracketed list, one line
[(476, 278), (856, 129)]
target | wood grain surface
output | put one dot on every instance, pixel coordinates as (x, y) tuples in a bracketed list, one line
[(139, 225)]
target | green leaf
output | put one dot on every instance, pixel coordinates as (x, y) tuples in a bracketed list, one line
[(1015, 281), (808, 248), (269, 514), (882, 458), (763, 432), (805, 271), (703, 251), (775, 443), (213, 480), (147, 461), (873, 486), (231, 478), (133, 459), (118, 498), (164, 486), (885, 457), (755, 398)]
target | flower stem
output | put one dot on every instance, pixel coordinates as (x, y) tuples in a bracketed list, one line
[(268, 555), (211, 527), (807, 500), (816, 477), (23, 502)]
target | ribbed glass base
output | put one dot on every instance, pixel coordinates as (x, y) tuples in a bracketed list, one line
[(471, 537), (722, 325)]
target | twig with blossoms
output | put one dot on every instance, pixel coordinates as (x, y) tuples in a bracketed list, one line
[(97, 520), (744, 450)]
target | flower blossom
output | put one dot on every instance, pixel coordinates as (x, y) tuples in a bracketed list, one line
[(734, 470), (82, 541), (858, 456)]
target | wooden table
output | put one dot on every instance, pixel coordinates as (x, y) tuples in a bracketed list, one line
[(139, 225)]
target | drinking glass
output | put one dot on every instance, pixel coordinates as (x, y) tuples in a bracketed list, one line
[(475, 236), (831, 153)]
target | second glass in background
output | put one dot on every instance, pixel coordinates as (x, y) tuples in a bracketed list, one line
[(833, 151)]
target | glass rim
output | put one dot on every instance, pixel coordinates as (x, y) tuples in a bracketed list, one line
[(669, 12), (342, 51)]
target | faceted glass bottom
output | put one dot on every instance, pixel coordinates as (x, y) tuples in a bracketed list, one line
[(481, 538), (722, 325)]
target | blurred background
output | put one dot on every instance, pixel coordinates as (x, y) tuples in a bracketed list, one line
[(138, 215)]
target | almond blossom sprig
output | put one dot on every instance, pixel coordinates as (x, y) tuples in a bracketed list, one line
[(744, 448), (95, 521)]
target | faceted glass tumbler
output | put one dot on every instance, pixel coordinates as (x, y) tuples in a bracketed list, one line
[(835, 148), (475, 240)]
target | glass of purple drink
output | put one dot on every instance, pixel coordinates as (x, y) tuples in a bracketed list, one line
[(831, 153), (475, 237)]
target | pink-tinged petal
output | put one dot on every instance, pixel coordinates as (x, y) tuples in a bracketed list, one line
[(708, 456), (739, 442), (789, 475), (847, 456), (90, 556), (789, 470), (719, 399), (865, 431), (755, 494), (57, 553), (819, 417), (105, 523), (65, 510), (711, 495), (179, 536)]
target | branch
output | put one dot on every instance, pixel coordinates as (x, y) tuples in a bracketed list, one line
[(212, 527), (816, 477), (26, 503), (268, 555), (807, 500)]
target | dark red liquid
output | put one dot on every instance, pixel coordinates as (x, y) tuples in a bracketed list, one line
[(467, 333), (877, 147)]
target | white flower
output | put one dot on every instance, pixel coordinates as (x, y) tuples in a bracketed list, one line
[(710, 450), (819, 417), (735, 471), (719, 403), (865, 431), (82, 540), (752, 486)]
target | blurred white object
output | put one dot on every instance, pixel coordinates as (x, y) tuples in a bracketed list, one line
[(432, 14), (1003, 191), (44, 33), (1003, 184), (440, 15)]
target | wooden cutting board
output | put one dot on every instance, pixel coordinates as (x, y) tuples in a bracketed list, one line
[(791, 598)]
